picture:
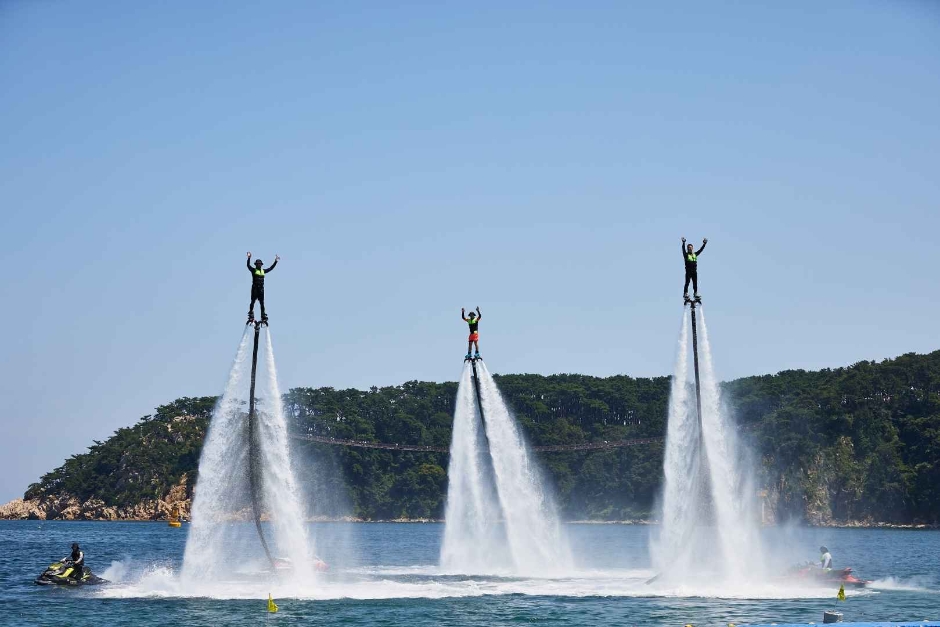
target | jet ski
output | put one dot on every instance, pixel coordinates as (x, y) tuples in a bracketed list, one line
[(58, 574), (811, 573)]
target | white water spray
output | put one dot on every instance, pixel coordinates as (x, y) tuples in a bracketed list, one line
[(536, 540), (736, 527), (474, 540), (221, 526), (281, 496), (221, 485), (530, 540), (682, 502), (704, 517)]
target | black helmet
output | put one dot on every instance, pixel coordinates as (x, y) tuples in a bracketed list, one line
[(823, 549), (472, 314), (258, 262), (75, 546)]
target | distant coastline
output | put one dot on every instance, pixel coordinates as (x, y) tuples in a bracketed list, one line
[(69, 510), (845, 447)]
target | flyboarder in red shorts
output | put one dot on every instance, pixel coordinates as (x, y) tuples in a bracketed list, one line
[(473, 320)]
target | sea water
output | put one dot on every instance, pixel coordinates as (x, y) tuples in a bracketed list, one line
[(388, 574)]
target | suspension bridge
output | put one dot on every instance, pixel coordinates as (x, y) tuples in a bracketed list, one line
[(552, 448)]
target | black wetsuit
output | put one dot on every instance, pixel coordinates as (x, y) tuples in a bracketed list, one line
[(257, 286), (473, 323), (691, 267)]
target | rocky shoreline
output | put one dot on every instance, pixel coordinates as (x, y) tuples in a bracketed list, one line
[(69, 509), (65, 507)]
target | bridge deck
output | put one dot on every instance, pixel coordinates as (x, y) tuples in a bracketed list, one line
[(555, 448)]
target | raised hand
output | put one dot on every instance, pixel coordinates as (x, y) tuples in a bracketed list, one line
[(249, 252), (683, 240), (705, 240), (277, 257)]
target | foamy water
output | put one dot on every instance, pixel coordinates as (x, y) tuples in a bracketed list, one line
[(389, 574), (430, 582)]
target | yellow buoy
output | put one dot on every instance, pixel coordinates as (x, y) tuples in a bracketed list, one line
[(272, 607), (174, 518)]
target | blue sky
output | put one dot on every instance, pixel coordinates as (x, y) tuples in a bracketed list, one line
[(540, 160)]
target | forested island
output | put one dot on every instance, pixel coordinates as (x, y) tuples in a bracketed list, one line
[(854, 445)]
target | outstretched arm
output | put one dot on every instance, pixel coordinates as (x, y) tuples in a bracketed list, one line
[(699, 252), (276, 258), (463, 314), (682, 247), (248, 263), (479, 315)]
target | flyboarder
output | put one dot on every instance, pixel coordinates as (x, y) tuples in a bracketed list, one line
[(474, 341), (257, 286), (691, 267)]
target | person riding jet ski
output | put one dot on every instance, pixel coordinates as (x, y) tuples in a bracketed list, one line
[(77, 560), (70, 571)]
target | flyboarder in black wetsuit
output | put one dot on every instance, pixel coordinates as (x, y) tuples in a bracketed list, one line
[(691, 267), (257, 286), (473, 321)]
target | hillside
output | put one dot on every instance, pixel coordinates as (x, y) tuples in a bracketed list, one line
[(849, 445)]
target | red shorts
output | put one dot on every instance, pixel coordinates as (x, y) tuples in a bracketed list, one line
[(475, 337)]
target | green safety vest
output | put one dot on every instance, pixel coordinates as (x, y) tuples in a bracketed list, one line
[(691, 257), (259, 272)]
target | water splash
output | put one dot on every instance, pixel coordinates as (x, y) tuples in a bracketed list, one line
[(281, 496), (730, 496), (474, 541), (493, 476), (705, 512), (421, 581), (682, 497), (536, 541), (221, 506), (221, 487)]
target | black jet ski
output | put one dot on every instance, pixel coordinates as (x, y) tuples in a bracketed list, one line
[(59, 574)]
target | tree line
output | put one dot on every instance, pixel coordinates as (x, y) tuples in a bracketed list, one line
[(854, 443)]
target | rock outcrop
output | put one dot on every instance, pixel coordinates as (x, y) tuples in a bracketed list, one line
[(66, 507)]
